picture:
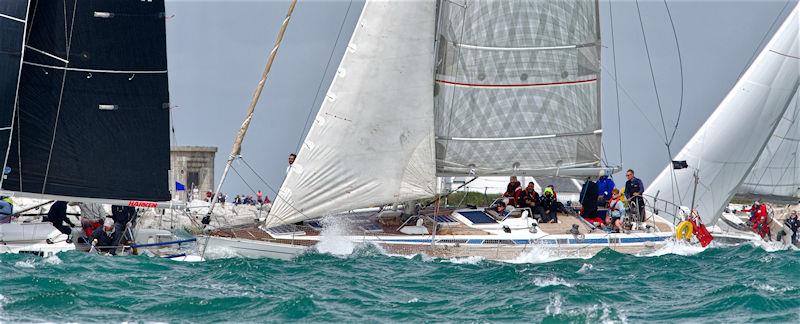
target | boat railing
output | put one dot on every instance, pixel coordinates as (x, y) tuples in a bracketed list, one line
[(655, 205)]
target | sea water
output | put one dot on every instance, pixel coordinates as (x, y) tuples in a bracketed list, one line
[(717, 285)]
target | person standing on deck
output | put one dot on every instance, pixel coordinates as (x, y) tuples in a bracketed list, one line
[(260, 196), (605, 187), (122, 215), (57, 214), (633, 193), (588, 199)]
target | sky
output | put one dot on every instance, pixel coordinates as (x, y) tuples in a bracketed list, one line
[(217, 50)]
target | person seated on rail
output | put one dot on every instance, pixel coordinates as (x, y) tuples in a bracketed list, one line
[(103, 238), (616, 211)]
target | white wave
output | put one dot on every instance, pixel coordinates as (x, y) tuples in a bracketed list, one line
[(768, 288), (465, 260), (554, 307), (552, 281), (220, 252), (538, 254), (586, 267), (675, 247), (771, 246), (333, 238), (29, 263), (412, 300), (52, 260)]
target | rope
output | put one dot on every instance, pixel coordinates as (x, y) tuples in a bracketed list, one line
[(322, 78), (68, 41)]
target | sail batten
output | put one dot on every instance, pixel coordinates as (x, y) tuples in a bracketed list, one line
[(371, 142)]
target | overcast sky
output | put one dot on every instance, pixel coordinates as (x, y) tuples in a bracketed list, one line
[(217, 50)]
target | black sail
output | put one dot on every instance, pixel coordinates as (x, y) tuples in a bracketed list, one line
[(92, 118), (12, 27)]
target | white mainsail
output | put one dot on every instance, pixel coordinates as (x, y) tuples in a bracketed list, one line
[(372, 140), (729, 144), (517, 88)]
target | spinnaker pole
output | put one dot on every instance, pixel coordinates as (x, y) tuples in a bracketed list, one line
[(237, 144)]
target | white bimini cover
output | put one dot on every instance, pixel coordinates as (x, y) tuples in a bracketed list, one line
[(372, 140), (727, 146)]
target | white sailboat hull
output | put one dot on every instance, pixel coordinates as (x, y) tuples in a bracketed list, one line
[(35, 238), (221, 247)]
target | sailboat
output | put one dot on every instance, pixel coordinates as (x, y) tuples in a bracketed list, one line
[(84, 110), (431, 89), (724, 160)]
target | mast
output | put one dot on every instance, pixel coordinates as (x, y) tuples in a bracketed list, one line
[(237, 144)]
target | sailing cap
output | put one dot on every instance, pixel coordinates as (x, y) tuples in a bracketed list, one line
[(109, 222)]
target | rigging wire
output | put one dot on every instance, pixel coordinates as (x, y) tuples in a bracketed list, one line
[(271, 188), (322, 78), (667, 142), (680, 68), (616, 84), (652, 75)]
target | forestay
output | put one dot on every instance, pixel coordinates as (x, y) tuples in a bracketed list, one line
[(733, 138), (777, 171), (372, 140), (92, 115), (517, 87)]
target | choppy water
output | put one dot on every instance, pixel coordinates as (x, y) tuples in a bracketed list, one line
[(723, 285)]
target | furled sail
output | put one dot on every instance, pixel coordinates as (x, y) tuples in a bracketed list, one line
[(517, 88), (727, 146), (372, 140), (92, 116), (777, 171)]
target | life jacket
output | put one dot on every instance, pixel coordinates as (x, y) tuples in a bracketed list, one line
[(8, 200), (612, 203)]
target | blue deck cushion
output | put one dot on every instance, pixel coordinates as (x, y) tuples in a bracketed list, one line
[(478, 217)]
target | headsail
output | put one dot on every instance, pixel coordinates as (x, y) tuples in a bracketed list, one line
[(730, 142), (92, 118), (777, 171), (517, 87), (372, 140)]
